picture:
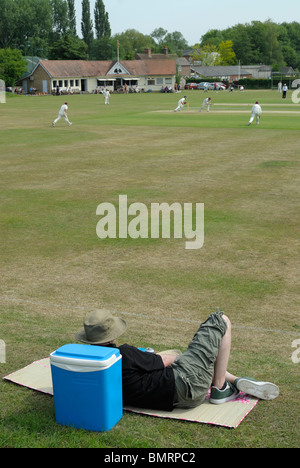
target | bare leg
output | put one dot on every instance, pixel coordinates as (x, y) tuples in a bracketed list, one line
[(220, 373), (262, 390), (230, 377)]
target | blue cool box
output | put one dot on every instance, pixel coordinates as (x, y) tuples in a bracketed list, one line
[(87, 386)]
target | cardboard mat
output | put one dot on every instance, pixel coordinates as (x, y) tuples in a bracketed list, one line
[(37, 376)]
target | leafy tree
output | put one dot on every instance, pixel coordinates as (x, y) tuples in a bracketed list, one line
[(72, 16), (158, 34), (242, 43), (291, 57), (293, 30), (256, 42), (12, 66), (132, 41), (226, 53), (39, 22), (8, 23), (24, 21), (102, 49), (69, 47), (87, 24), (289, 38), (273, 52), (175, 42), (206, 54), (60, 17), (35, 25), (212, 37), (102, 25)]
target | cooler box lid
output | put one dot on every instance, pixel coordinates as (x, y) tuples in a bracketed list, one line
[(86, 356)]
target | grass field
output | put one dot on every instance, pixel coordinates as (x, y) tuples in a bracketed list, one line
[(54, 269)]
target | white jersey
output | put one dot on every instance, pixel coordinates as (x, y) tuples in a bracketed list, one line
[(63, 109), (106, 96), (256, 109), (181, 101)]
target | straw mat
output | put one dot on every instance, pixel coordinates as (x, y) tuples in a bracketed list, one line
[(37, 376)]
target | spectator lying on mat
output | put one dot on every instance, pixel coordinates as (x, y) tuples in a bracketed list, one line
[(168, 380)]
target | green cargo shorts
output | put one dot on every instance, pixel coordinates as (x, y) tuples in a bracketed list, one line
[(194, 369)]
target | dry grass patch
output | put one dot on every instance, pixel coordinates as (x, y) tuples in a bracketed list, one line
[(54, 269)]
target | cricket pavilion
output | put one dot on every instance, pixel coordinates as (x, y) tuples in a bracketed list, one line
[(80, 76)]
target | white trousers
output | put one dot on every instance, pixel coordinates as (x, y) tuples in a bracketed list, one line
[(208, 107), (253, 115), (179, 107), (64, 116)]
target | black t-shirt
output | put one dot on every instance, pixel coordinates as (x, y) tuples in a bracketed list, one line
[(147, 383)]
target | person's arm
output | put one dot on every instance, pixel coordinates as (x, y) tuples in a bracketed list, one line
[(168, 359)]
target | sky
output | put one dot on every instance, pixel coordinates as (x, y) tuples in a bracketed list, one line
[(193, 18)]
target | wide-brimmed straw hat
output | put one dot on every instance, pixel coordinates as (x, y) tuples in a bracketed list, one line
[(100, 327)]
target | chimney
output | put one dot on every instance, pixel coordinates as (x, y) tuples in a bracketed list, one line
[(148, 52), (166, 50)]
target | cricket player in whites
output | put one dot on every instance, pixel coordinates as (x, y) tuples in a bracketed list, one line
[(62, 114), (207, 103), (256, 112), (106, 95), (181, 103)]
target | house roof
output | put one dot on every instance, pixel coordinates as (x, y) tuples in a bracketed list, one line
[(287, 70), (31, 63), (212, 71), (188, 52), (83, 68), (149, 67), (183, 62), (75, 68)]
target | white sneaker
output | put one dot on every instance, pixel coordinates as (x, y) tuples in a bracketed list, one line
[(261, 390)]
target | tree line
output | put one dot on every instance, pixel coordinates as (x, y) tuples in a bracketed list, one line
[(259, 42), (47, 28)]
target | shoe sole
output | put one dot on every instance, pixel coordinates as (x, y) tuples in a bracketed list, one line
[(261, 390)]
